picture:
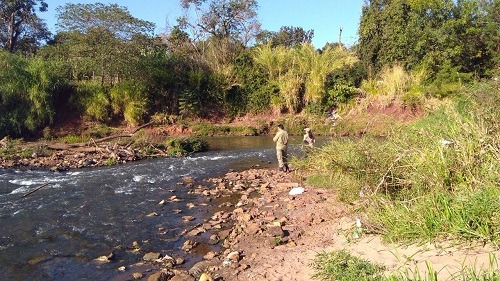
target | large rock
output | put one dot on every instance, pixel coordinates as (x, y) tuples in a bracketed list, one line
[(252, 228), (201, 267), (233, 256), (151, 256), (275, 231), (223, 234), (159, 276), (181, 276)]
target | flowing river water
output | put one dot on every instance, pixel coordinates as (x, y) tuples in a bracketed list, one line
[(56, 232)]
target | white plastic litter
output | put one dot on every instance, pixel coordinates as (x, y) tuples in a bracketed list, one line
[(296, 191), (444, 142), (358, 223)]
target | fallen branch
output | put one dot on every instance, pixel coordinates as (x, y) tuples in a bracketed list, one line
[(63, 146), (143, 126), (382, 180), (110, 138), (36, 189)]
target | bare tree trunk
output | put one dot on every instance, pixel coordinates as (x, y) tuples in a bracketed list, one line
[(10, 41)]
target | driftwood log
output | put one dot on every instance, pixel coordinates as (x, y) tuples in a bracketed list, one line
[(91, 146), (36, 189)]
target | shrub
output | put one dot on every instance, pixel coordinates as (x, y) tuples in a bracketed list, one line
[(448, 81), (129, 98), (70, 139), (342, 266), (98, 131), (93, 99), (182, 146)]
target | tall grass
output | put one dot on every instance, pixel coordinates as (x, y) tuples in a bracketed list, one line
[(299, 73), (435, 178), (396, 86), (28, 89), (130, 99), (93, 98)]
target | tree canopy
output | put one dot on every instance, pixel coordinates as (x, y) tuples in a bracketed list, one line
[(430, 34), (223, 19), (117, 20), (101, 41), (104, 64), (20, 27), (288, 36)]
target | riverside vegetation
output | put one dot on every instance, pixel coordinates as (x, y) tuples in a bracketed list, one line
[(433, 179), (416, 101)]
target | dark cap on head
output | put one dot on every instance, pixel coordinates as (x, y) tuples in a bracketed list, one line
[(281, 126)]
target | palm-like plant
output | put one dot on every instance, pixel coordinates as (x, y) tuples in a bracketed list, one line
[(301, 72)]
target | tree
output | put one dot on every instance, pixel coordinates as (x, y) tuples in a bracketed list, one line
[(287, 36), (104, 46), (102, 41), (115, 19), (20, 27), (430, 34), (223, 19)]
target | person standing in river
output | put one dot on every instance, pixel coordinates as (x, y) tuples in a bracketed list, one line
[(281, 140), (309, 139)]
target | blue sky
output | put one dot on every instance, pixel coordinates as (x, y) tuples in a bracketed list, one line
[(325, 17)]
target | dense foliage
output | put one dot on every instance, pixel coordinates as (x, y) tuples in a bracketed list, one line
[(440, 36), (105, 65)]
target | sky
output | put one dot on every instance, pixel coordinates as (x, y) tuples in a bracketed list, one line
[(325, 17)]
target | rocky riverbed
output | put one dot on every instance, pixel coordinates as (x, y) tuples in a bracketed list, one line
[(267, 225), (264, 219), (275, 229), (63, 160), (63, 157)]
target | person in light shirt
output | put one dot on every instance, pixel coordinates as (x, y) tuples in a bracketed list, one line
[(281, 140)]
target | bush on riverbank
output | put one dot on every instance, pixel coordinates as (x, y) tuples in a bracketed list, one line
[(182, 146), (341, 265), (434, 178)]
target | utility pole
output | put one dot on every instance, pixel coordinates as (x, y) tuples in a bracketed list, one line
[(340, 36)]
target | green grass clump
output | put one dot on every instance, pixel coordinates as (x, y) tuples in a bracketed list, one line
[(470, 215), (99, 131), (346, 165), (71, 139), (183, 146), (342, 266), (489, 274)]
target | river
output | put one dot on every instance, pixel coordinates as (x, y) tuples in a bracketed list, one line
[(56, 232)]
